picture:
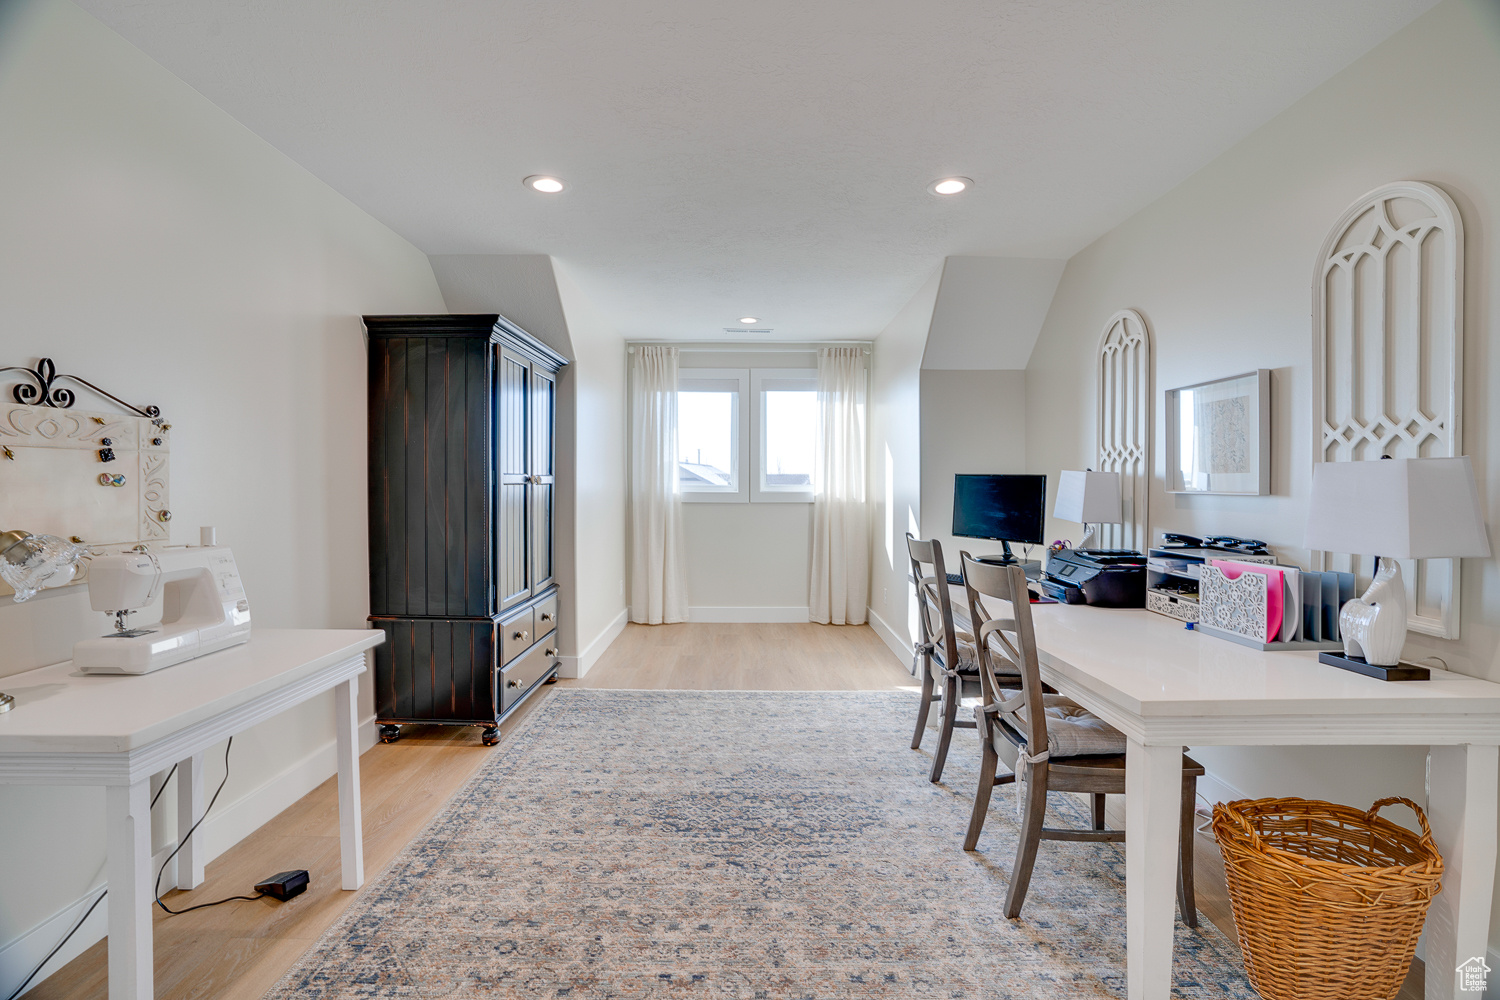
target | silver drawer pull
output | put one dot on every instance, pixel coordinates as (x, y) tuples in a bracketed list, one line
[(512, 684), (549, 652), (521, 635), (546, 616)]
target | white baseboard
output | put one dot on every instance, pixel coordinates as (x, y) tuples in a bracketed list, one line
[(223, 828), (888, 635), (754, 615), (576, 666)]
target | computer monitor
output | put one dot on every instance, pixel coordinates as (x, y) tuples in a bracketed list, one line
[(1001, 508)]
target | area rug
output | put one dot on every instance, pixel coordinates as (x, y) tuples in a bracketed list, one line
[(735, 846)]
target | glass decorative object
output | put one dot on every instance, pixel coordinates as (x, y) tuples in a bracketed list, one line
[(30, 562)]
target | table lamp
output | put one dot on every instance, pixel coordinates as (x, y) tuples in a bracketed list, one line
[(1086, 497), (1401, 508)]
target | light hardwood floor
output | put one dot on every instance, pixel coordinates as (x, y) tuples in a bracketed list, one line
[(237, 951)]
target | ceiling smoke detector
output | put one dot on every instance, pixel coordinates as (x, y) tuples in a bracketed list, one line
[(950, 185), (544, 183)]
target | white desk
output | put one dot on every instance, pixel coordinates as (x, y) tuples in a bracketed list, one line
[(69, 728), (1167, 688)]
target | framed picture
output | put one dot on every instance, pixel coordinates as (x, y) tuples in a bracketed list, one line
[(1219, 436)]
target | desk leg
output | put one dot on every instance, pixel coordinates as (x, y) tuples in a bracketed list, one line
[(127, 816), (189, 812), (1153, 814), (351, 835), (1461, 805)]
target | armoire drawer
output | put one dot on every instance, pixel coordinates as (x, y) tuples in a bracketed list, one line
[(516, 635), (519, 677), (545, 616)]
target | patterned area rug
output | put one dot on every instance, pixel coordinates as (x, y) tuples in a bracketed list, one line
[(744, 845)]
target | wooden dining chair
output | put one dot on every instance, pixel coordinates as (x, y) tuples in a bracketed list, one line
[(1049, 742), (944, 651)]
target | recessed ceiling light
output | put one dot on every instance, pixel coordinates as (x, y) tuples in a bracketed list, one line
[(950, 185), (543, 183), (749, 320)]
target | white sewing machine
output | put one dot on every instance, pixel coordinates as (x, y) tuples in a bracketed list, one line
[(203, 608)]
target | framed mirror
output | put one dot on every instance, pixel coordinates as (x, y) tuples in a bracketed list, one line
[(1219, 436)]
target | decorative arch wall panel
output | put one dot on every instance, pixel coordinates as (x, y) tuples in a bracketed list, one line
[(1124, 424), (1388, 357)]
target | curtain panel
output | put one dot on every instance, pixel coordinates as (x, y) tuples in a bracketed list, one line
[(658, 570), (838, 591)]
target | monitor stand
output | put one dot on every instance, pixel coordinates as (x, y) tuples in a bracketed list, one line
[(1005, 558)]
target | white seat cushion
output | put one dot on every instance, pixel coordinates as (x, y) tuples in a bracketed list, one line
[(1072, 730)]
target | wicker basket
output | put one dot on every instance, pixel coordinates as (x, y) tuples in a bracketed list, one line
[(1328, 900)]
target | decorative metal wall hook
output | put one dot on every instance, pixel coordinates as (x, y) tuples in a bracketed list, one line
[(43, 390)]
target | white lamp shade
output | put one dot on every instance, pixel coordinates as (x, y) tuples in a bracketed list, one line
[(1089, 497), (1406, 508)]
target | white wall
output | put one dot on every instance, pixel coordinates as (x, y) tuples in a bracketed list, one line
[(596, 544), (972, 422), (895, 485), (1221, 267), (153, 245)]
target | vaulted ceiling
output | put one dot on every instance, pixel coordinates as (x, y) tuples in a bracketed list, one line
[(766, 159)]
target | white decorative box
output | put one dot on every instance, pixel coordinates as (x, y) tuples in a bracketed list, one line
[(1184, 609)]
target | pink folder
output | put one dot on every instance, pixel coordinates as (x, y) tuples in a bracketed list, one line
[(1233, 570)]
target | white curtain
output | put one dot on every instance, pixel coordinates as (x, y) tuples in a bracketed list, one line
[(838, 591), (658, 575)]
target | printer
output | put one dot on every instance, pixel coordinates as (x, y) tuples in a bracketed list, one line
[(1108, 578)]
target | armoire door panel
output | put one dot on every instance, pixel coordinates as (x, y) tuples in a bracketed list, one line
[(543, 407), (413, 433), (513, 461), (386, 473), (541, 535), (435, 427), (478, 507)]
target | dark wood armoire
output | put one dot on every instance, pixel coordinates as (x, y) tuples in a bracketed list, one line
[(462, 419)]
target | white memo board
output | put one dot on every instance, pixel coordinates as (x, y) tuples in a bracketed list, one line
[(53, 472)]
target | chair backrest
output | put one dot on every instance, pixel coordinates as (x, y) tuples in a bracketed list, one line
[(1006, 645), (934, 605)]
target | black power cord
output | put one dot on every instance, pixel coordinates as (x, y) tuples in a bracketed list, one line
[(157, 889), (182, 841), (42, 964)]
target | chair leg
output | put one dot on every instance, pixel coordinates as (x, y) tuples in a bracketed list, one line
[(1098, 805), (988, 765), (952, 690), (1186, 901), (1034, 811), (916, 737)]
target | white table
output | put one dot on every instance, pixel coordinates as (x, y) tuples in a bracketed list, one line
[(69, 728), (1168, 688)]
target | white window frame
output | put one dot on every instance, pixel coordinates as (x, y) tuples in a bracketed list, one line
[(722, 380), (763, 380)]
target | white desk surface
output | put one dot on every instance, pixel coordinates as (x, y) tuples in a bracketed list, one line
[(59, 709), (1151, 666)]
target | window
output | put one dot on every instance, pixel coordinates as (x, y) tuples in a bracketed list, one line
[(746, 435), (786, 418), (711, 428)]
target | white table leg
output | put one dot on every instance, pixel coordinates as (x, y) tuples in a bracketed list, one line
[(1461, 806), (189, 811), (127, 821), (351, 834), (1153, 812)]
